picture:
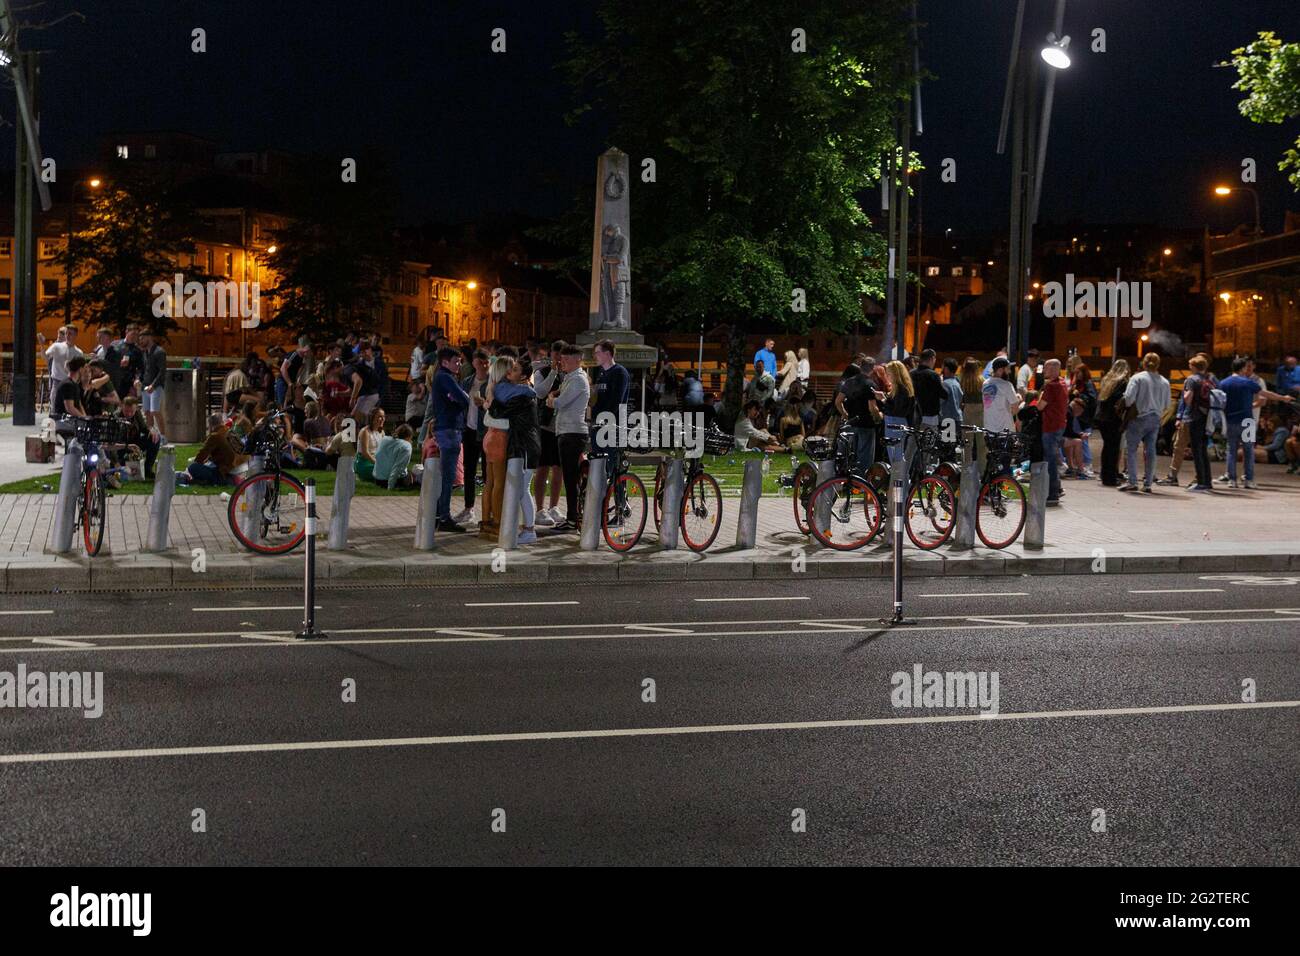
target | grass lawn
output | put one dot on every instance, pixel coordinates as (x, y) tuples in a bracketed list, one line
[(728, 469)]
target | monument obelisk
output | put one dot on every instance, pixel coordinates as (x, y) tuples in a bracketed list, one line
[(610, 306)]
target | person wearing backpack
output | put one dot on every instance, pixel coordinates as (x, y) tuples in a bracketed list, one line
[(1197, 398)]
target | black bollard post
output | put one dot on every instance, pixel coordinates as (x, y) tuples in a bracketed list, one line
[(309, 585), (898, 493)]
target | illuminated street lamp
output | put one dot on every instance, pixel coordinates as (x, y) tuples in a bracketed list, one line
[(471, 285), (94, 183), (270, 250), (1168, 251), (1054, 52), (1229, 190), (1142, 344)]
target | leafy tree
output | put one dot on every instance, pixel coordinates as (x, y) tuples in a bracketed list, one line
[(1268, 71), (128, 237), (761, 153), (336, 253)]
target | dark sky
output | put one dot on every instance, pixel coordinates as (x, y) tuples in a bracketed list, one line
[(1139, 133)]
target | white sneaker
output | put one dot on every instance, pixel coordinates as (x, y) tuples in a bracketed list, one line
[(1251, 485), (465, 514), (1222, 479), (526, 537), (544, 520), (1232, 483), (554, 515)]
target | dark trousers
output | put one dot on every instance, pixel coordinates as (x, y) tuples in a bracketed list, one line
[(1200, 453), (1111, 437), (571, 449), (472, 449)]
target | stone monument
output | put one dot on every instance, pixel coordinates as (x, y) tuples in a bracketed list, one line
[(610, 307)]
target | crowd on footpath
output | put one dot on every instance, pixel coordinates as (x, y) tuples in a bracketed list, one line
[(1055, 407), (479, 406)]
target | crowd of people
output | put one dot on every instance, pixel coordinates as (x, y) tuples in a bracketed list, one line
[(1056, 408)]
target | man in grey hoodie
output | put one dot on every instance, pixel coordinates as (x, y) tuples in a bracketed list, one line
[(570, 405)]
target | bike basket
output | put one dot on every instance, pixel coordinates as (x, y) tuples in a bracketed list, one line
[(717, 443), (817, 447), (102, 431)]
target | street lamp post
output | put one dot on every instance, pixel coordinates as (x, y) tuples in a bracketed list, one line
[(1229, 190), (94, 183)]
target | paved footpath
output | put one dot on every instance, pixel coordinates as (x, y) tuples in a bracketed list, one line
[(1168, 531)]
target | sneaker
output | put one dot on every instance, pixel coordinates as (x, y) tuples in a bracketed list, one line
[(448, 525), (1053, 502), (1085, 476), (465, 514), (1199, 489), (526, 537), (1148, 490), (1232, 482), (1069, 473), (544, 520), (1223, 479), (1128, 486), (1169, 480), (554, 515), (1088, 473), (1252, 486), (566, 526)]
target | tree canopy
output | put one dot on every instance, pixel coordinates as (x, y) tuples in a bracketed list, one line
[(1268, 71)]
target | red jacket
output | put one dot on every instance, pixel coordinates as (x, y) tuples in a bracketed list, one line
[(1054, 402)]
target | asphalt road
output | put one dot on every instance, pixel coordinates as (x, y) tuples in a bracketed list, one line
[(1116, 693)]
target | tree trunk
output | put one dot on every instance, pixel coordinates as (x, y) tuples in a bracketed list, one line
[(733, 391)]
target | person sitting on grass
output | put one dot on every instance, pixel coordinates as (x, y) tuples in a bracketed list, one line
[(317, 430), (140, 437), (392, 468), (368, 444), (749, 437), (215, 460)]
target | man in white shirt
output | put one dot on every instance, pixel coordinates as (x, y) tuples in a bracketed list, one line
[(1147, 393), (1001, 400), (57, 356), (1025, 375), (749, 437)]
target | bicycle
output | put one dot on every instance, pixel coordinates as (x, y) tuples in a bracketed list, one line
[(1002, 507), (272, 502), (849, 527), (95, 435), (624, 514), (931, 512), (802, 480), (700, 517)]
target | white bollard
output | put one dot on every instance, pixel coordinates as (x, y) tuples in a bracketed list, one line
[(751, 490), (822, 511), (963, 536), (251, 518), (1036, 520), (427, 518), (670, 522), (160, 503), (345, 483), (594, 505), (65, 505), (511, 499)]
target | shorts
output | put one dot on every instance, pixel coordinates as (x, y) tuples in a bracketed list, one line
[(550, 450), (153, 401)]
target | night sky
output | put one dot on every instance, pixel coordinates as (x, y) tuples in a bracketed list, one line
[(1139, 133)]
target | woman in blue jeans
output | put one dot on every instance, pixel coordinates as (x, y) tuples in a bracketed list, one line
[(899, 407)]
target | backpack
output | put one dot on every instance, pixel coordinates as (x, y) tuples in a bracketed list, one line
[(1203, 396)]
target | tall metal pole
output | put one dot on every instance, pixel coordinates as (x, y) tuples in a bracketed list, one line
[(24, 306), (1058, 24), (891, 203), (904, 201)]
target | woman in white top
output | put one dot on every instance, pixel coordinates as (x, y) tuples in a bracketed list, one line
[(788, 375), (368, 444), (803, 368)]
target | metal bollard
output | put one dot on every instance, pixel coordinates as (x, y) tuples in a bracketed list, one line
[(427, 518), (65, 505), (345, 483), (251, 517), (963, 536), (822, 512), (1036, 520), (309, 581), (594, 505), (751, 490), (160, 503), (670, 522), (508, 529)]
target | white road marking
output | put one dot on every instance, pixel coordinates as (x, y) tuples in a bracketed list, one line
[(1154, 616), (213, 610), (658, 629), (1177, 591), (462, 633), (388, 742), (843, 627), (749, 600), (981, 594), (14, 613), (61, 642), (282, 638), (993, 620), (516, 603)]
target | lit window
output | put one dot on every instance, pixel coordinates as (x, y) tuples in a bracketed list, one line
[(957, 270), (230, 263), (208, 270), (46, 248), (932, 270), (123, 152), (6, 248)]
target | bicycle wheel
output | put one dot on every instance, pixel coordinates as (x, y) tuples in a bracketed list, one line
[(1000, 512), (854, 513), (661, 477), (931, 513), (801, 490), (701, 512), (625, 512), (278, 521), (94, 512)]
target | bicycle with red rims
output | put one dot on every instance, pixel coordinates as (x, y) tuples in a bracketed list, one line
[(700, 518), (96, 435), (802, 480), (848, 499), (1003, 504), (268, 510), (930, 514)]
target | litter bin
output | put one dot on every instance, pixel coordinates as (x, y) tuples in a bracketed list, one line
[(183, 406)]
